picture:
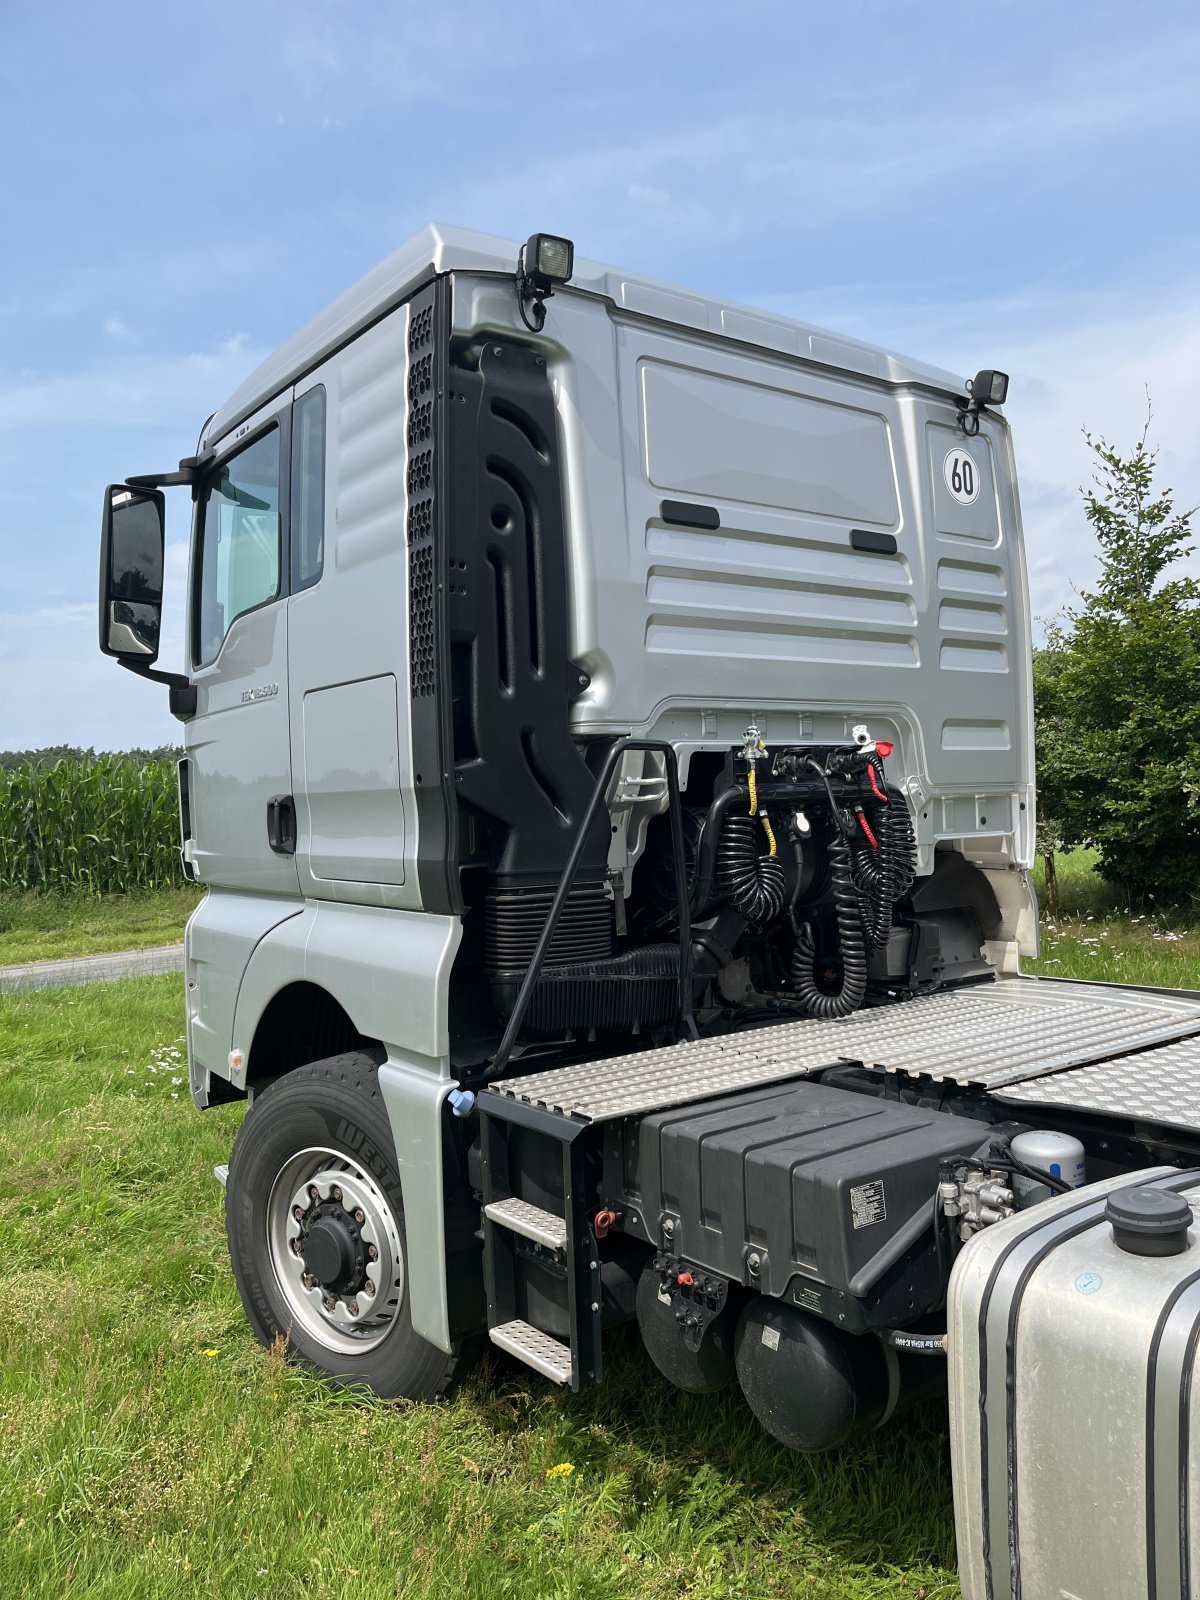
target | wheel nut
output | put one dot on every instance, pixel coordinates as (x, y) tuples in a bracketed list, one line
[(294, 1246), (297, 1213), (372, 1252), (368, 1287), (313, 1192), (309, 1280), (353, 1308), (330, 1302), (336, 1192), (360, 1216)]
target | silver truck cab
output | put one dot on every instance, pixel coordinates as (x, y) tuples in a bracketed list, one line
[(495, 519)]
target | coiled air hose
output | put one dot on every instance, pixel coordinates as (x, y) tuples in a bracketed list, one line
[(756, 884), (883, 874), (849, 996), (874, 873)]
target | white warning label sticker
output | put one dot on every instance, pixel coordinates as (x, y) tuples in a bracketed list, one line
[(770, 1337), (868, 1204)]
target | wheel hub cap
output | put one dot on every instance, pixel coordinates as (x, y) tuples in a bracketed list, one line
[(335, 1246), (332, 1249)]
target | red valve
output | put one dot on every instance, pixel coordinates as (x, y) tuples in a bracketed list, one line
[(603, 1222), (684, 1280)]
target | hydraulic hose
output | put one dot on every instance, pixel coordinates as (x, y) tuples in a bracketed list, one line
[(849, 996), (756, 884)]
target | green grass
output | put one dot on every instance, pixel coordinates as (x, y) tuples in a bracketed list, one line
[(41, 927), (152, 1449), (1092, 936)]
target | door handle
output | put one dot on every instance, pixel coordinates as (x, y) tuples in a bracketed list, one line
[(281, 824)]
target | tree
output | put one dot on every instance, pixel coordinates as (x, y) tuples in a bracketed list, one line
[(1117, 690)]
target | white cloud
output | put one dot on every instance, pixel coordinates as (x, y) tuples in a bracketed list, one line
[(1094, 375), (132, 391), (114, 328)]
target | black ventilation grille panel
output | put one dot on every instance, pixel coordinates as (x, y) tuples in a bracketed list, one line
[(422, 673), (421, 482)]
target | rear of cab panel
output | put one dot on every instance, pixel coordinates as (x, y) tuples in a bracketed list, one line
[(794, 612)]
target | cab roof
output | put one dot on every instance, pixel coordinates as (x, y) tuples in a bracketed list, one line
[(437, 249)]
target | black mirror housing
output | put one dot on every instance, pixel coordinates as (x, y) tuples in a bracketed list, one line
[(132, 544)]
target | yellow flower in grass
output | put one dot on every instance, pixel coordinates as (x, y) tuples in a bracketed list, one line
[(210, 1352), (564, 1469)]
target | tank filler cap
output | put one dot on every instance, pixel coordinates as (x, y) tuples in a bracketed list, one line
[(1148, 1221)]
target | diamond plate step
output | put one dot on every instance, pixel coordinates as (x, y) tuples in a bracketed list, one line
[(535, 1348), (988, 1035), (531, 1222)]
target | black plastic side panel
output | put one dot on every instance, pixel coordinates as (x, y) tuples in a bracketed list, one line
[(513, 680), (816, 1183), (429, 668)]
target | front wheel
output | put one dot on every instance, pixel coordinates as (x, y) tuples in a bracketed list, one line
[(315, 1221)]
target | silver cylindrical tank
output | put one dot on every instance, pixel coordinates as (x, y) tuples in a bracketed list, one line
[(1058, 1154)]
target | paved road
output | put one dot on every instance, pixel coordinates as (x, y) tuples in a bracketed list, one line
[(91, 969)]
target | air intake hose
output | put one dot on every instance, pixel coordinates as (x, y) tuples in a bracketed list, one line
[(756, 884), (850, 940)]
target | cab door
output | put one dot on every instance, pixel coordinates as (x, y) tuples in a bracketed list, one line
[(239, 741), (242, 815)]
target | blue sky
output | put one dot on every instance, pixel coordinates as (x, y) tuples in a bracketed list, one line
[(1013, 184)]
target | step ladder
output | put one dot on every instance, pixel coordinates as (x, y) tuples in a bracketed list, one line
[(566, 1240)]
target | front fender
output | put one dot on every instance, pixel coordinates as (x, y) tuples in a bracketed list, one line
[(389, 970)]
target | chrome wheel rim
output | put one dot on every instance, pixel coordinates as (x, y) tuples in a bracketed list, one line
[(353, 1311)]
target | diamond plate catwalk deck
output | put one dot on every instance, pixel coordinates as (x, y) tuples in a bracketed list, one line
[(990, 1036), (1160, 1086)]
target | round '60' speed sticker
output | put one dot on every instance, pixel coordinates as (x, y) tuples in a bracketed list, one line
[(962, 476)]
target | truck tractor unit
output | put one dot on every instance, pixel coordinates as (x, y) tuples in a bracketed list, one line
[(608, 755)]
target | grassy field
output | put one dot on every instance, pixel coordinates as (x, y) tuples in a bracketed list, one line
[(1094, 937), (39, 927), (152, 1449)]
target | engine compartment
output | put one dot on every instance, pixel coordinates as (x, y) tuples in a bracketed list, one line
[(801, 899)]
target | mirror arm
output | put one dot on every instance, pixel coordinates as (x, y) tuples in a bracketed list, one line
[(183, 690), (190, 470)]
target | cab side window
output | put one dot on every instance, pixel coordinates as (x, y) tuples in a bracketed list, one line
[(238, 565), (308, 489)]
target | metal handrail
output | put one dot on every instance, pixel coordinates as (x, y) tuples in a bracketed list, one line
[(686, 1020)]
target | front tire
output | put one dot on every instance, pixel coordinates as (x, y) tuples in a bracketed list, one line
[(315, 1220)]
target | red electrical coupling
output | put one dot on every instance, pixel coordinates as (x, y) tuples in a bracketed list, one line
[(875, 789), (866, 826), (884, 748), (602, 1222), (684, 1280)]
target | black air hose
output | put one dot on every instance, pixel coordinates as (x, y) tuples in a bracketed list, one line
[(850, 939), (756, 884), (873, 871), (882, 875)]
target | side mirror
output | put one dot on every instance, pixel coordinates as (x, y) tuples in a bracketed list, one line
[(132, 537)]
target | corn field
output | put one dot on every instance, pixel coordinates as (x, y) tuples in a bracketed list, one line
[(103, 825)]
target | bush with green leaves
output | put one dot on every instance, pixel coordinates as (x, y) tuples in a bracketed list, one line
[(1116, 691)]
